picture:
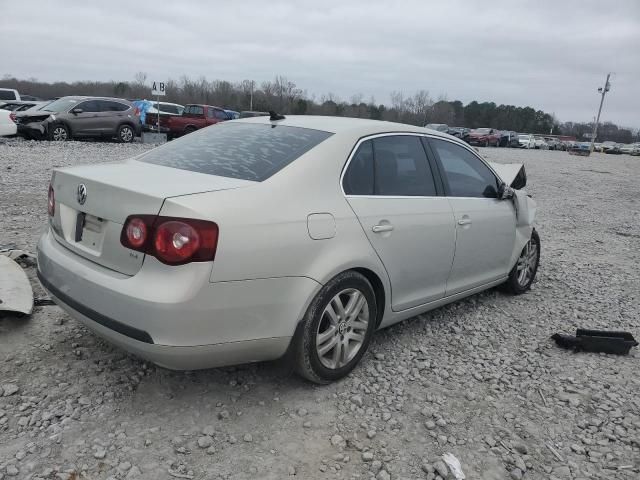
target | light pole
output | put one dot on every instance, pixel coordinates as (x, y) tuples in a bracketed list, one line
[(603, 91)]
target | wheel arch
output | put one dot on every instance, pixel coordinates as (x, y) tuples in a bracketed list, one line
[(378, 290), (59, 121)]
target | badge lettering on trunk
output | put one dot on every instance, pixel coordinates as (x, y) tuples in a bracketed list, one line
[(81, 193)]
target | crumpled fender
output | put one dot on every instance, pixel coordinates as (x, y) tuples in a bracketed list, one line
[(16, 294), (526, 208)]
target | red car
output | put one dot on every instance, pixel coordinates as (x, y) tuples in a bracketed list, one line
[(484, 137), (193, 118)]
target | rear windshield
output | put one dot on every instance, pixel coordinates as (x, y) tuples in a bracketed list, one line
[(237, 150)]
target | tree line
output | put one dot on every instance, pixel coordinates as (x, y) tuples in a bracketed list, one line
[(284, 96)]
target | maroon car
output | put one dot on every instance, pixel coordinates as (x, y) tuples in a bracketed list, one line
[(193, 118), (484, 137)]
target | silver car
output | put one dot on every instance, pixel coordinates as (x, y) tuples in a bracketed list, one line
[(256, 237)]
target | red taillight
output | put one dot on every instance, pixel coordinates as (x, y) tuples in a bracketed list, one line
[(174, 241), (51, 202), (137, 112), (12, 116)]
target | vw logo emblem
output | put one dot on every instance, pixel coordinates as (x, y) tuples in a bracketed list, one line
[(81, 193)]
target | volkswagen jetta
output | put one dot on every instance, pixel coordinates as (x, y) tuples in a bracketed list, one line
[(257, 237)]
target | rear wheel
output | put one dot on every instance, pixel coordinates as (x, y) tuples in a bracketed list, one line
[(126, 134), (524, 271), (189, 130), (336, 330), (59, 133)]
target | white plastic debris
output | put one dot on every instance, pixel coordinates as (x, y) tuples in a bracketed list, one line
[(454, 465), (15, 290)]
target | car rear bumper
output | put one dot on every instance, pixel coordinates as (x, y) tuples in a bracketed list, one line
[(194, 324), (8, 129)]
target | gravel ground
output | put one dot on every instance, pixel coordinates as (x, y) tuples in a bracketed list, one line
[(480, 378)]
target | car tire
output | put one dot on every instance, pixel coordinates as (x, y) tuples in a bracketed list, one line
[(486, 143), (59, 132), (334, 333), (524, 271), (126, 133), (189, 130)]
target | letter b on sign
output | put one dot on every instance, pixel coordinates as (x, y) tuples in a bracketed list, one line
[(158, 89)]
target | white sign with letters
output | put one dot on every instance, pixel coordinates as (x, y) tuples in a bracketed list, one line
[(159, 89)]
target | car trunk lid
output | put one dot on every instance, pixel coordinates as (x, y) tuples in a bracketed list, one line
[(93, 202)]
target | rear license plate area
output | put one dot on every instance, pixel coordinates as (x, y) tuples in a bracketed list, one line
[(89, 231)]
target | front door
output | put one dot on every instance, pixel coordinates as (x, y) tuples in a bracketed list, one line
[(390, 187), (485, 225), (87, 122)]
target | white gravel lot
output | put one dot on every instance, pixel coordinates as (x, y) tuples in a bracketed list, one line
[(480, 378)]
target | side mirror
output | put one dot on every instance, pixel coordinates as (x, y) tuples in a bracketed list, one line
[(76, 111), (505, 192)]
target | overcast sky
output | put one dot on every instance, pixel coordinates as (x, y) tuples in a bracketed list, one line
[(551, 55)]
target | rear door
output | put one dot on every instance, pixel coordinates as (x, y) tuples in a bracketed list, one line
[(390, 186), (111, 115), (485, 225)]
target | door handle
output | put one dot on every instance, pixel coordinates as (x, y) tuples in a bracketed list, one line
[(382, 228), (464, 221)]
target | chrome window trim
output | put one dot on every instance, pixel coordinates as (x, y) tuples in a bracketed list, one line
[(413, 134)]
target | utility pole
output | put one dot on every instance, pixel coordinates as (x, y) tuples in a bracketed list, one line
[(603, 91), (251, 97)]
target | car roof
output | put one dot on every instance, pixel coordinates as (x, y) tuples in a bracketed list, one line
[(356, 126), (83, 97)]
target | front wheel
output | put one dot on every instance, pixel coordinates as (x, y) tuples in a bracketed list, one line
[(524, 271), (336, 329), (126, 134), (59, 133)]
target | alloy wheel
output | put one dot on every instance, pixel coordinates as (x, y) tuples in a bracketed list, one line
[(59, 134), (126, 134), (342, 328), (526, 265)]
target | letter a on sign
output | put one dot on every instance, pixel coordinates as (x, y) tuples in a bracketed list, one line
[(158, 89)]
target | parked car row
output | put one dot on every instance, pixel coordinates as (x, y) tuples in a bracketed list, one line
[(104, 117)]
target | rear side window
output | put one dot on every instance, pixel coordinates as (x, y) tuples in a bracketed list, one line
[(358, 179), (194, 110), (7, 95), (465, 174), (168, 108), (110, 106), (245, 151), (394, 165)]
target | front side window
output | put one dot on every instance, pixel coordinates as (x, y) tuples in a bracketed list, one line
[(390, 166), (89, 106), (464, 173)]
